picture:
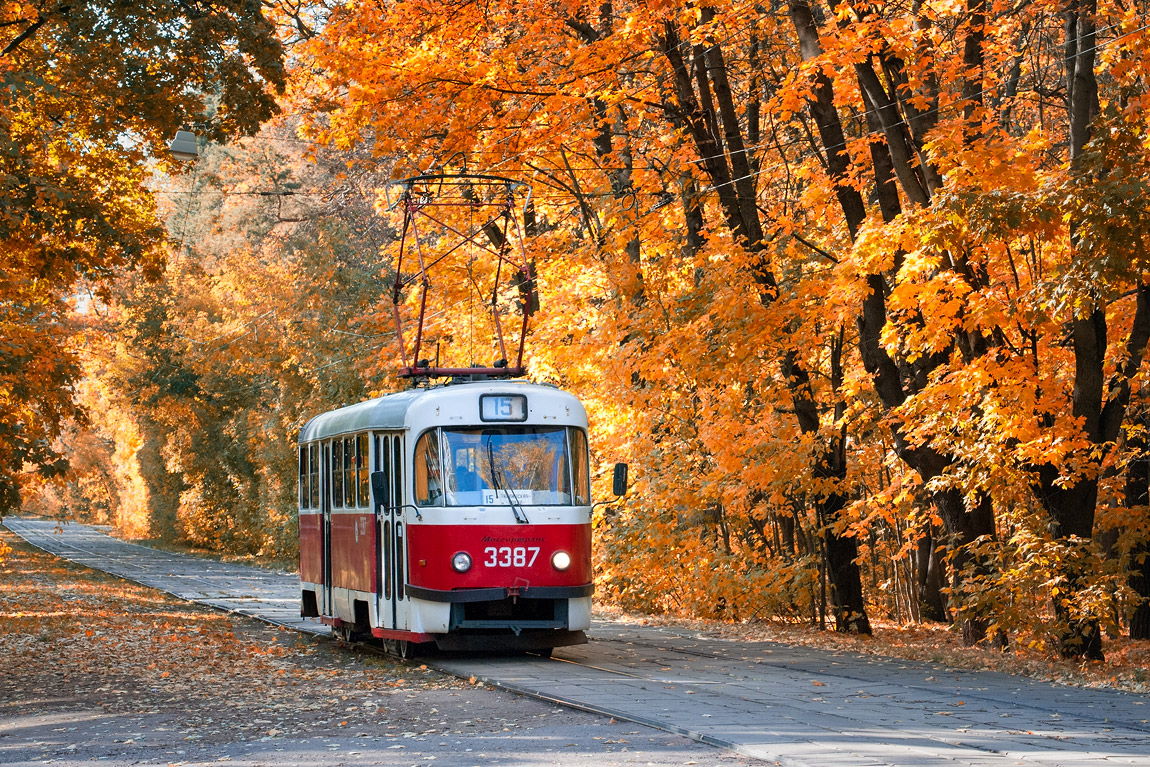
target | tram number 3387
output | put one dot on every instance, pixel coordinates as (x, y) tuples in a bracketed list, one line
[(507, 556)]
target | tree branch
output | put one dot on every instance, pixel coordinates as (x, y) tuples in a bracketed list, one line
[(33, 28)]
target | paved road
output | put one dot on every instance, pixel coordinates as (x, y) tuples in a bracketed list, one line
[(798, 706)]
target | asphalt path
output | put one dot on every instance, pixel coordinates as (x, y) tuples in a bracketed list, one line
[(795, 705)]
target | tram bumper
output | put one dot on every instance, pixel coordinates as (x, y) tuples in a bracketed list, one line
[(510, 618), (503, 642)]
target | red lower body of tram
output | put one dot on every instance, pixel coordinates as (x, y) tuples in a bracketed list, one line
[(524, 586)]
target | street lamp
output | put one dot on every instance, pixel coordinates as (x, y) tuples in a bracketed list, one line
[(183, 146)]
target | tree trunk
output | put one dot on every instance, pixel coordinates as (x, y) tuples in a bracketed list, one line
[(1071, 508), (1138, 497), (787, 533), (1140, 582), (963, 527), (706, 106), (840, 551), (842, 570), (163, 488), (930, 573)]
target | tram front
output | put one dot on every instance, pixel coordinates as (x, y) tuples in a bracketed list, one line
[(499, 545)]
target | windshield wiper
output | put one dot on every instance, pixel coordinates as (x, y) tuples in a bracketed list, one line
[(520, 515)]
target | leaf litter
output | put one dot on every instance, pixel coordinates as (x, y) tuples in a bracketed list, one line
[(141, 676)]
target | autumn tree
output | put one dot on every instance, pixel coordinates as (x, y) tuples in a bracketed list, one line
[(973, 118), (859, 289), (902, 173), (259, 320), (91, 92)]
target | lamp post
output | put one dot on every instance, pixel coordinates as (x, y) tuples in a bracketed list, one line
[(183, 146)]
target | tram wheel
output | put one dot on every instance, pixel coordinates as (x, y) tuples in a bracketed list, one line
[(400, 648), (349, 634)]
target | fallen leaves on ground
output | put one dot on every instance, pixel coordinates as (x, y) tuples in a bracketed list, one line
[(77, 638)]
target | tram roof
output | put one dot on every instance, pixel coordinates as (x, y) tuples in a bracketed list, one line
[(392, 411)]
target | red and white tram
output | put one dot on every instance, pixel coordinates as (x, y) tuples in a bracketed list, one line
[(458, 514)]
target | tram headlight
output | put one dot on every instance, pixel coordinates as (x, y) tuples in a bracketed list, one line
[(461, 562), (560, 560)]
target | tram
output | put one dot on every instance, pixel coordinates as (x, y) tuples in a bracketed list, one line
[(457, 514)]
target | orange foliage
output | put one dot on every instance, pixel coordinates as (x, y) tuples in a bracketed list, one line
[(89, 94), (690, 337), (845, 285)]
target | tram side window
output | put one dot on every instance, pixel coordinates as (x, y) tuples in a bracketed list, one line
[(361, 471), (383, 463), (580, 471), (396, 471), (337, 472), (349, 472), (428, 476), (313, 472), (304, 492)]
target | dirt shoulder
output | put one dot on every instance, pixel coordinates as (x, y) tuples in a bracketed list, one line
[(98, 670)]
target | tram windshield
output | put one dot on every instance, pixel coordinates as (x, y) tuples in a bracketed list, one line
[(502, 466)]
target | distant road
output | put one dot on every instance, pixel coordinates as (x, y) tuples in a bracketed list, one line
[(795, 705)]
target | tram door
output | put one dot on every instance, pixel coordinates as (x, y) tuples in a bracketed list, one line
[(326, 608), (391, 554)]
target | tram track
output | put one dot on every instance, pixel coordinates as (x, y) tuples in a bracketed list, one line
[(600, 668), (931, 688), (614, 714)]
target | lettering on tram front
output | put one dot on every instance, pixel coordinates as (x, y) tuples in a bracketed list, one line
[(510, 556)]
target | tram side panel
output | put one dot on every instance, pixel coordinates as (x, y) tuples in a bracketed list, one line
[(310, 530), (333, 480), (353, 551), (310, 547), (353, 565)]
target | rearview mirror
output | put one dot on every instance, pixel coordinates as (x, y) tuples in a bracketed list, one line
[(619, 482), (379, 487)]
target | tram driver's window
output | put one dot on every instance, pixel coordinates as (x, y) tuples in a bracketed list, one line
[(467, 476), (428, 475)]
